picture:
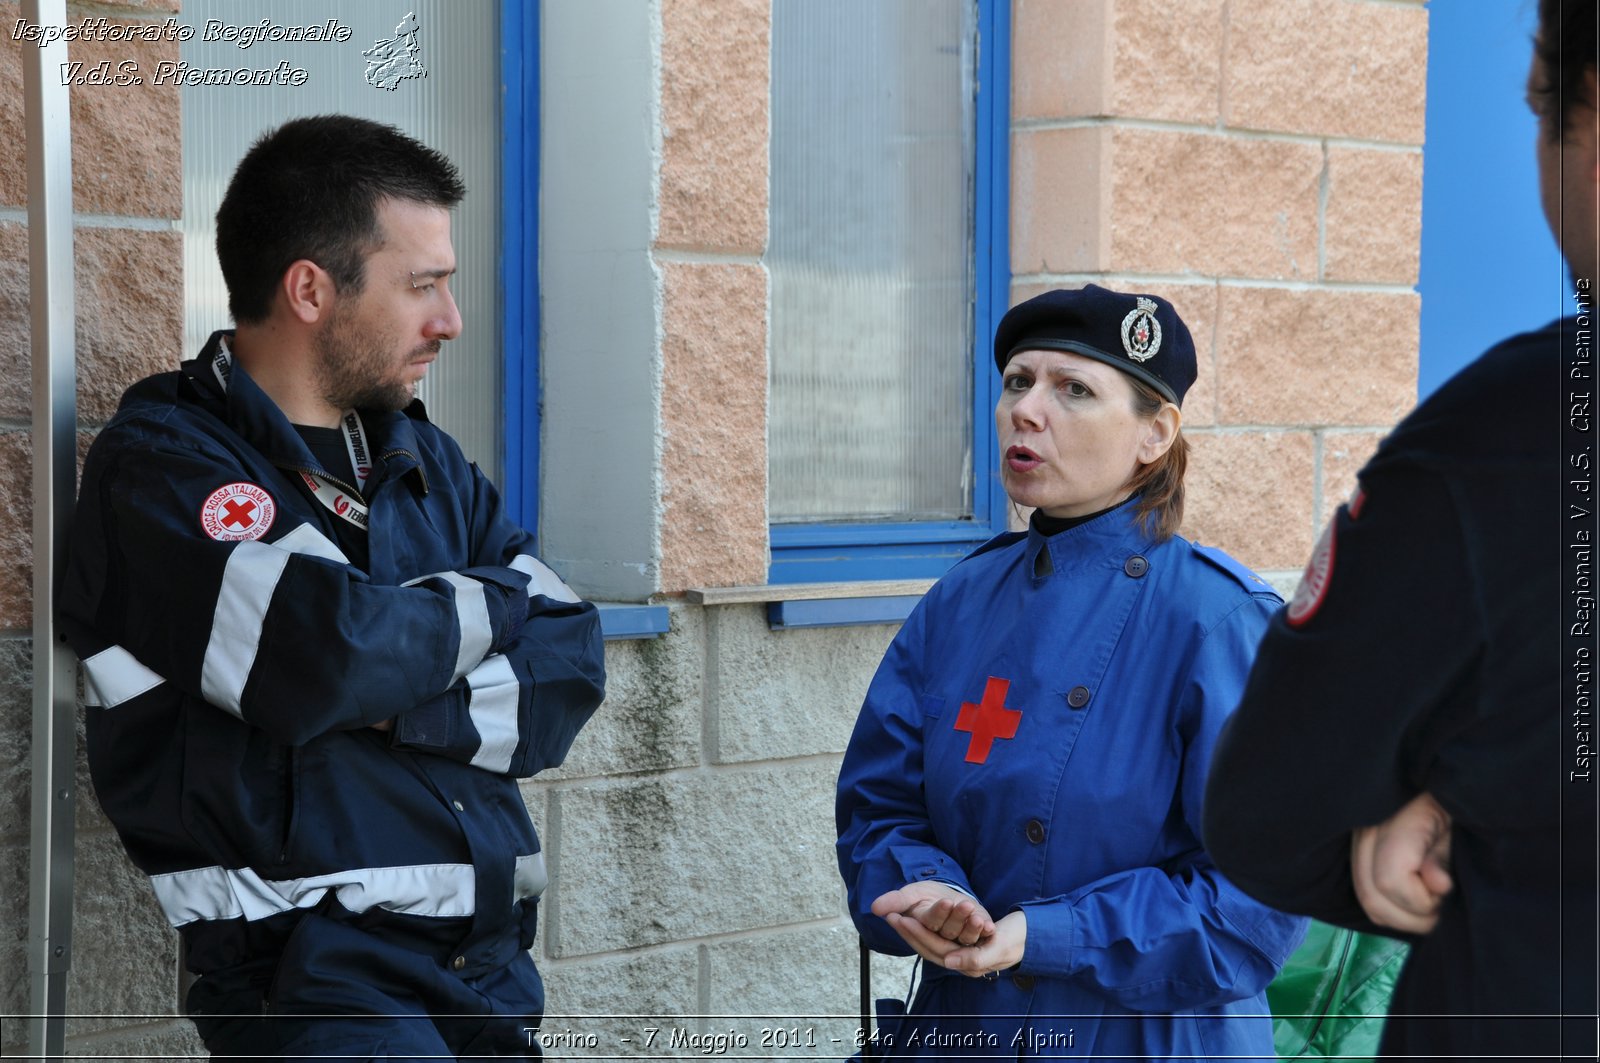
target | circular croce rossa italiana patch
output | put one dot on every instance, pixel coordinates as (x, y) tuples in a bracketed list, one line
[(237, 512), (1313, 589), (1319, 570)]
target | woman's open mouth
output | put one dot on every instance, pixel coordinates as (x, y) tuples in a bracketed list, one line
[(1021, 459)]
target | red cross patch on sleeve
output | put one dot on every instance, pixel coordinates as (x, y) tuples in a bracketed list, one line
[(237, 512), (1313, 589)]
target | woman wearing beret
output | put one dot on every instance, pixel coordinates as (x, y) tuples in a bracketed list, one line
[(1020, 802)]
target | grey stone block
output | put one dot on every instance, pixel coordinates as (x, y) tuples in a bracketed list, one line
[(168, 1041), (785, 975), (533, 796), (14, 933), (779, 694), (651, 717), (620, 1000), (16, 749), (16, 737), (797, 992), (124, 955), (681, 856)]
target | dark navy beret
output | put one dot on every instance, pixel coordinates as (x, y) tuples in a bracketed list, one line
[(1142, 335)]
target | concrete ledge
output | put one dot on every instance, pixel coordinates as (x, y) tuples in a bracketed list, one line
[(794, 592)]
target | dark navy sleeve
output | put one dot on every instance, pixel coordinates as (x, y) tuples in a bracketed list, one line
[(885, 837), (1182, 936), (1331, 734), (278, 630), (520, 709)]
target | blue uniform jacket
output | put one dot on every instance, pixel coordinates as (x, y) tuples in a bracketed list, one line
[(1038, 735), (233, 682)]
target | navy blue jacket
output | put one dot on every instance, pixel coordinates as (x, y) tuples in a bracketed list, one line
[(233, 681), (1429, 649), (1038, 735)]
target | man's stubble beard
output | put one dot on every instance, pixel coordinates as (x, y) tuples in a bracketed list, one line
[(356, 370)]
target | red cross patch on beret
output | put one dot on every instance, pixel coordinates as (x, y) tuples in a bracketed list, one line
[(237, 512)]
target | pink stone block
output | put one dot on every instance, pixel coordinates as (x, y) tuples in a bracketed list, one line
[(1316, 357), (714, 102), (1251, 494), (1339, 68), (1060, 179), (714, 426), (1213, 205), (1373, 224)]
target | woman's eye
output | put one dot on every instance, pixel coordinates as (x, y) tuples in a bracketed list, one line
[(1017, 382), (1075, 389)]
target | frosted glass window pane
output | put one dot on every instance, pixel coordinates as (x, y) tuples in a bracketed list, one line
[(454, 108), (871, 259)]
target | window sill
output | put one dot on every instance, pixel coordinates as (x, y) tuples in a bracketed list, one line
[(628, 620), (797, 605)]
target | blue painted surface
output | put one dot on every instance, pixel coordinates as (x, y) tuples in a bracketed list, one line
[(519, 255), (802, 553), (841, 612), (992, 240), (1490, 267), (625, 620), (813, 553)]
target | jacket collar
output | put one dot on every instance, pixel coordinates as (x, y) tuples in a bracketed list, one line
[(1109, 538), (251, 413)]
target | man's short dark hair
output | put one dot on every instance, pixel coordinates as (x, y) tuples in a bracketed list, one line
[(310, 189), (1565, 47)]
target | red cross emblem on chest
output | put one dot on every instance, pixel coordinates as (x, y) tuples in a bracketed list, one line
[(988, 719)]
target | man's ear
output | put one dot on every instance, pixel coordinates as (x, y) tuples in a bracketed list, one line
[(308, 291)]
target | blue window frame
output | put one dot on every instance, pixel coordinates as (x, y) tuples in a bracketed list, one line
[(804, 553), (519, 255)]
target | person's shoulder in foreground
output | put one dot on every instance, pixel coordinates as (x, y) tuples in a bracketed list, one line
[(1499, 406), (1400, 761)]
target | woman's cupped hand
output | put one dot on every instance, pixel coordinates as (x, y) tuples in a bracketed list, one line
[(947, 927)]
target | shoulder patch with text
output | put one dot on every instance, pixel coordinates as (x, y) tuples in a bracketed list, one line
[(1313, 589), (237, 512)]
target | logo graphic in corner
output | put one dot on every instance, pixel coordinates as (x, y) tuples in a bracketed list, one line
[(392, 61), (237, 512), (1141, 332)]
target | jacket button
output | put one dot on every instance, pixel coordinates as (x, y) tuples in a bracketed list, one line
[(1136, 566), (1023, 982), (1078, 697), (458, 963), (459, 806), (1035, 831)]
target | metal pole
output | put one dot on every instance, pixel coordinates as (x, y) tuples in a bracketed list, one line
[(49, 154)]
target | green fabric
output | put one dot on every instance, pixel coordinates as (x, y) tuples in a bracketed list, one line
[(1330, 999)]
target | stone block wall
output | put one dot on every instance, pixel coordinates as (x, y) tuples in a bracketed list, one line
[(1256, 161), (690, 838)]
